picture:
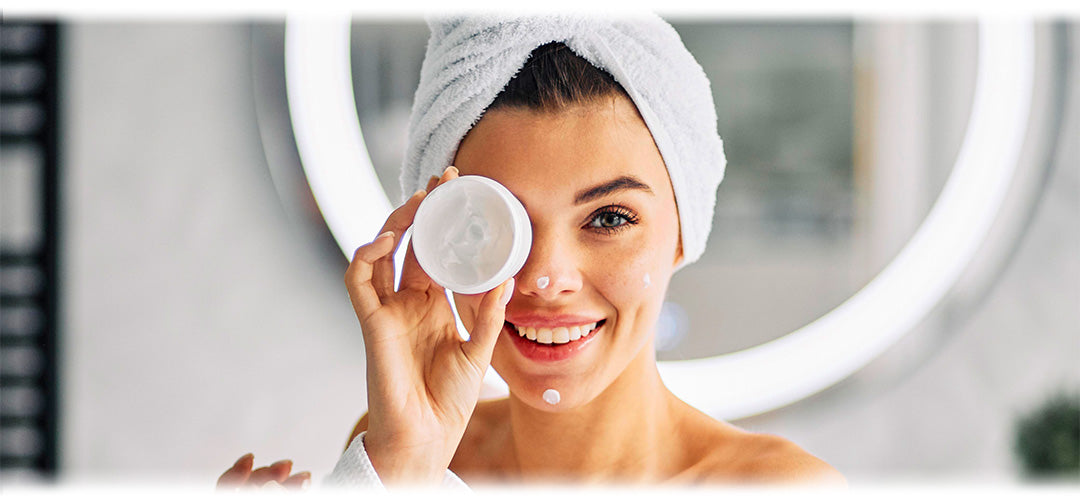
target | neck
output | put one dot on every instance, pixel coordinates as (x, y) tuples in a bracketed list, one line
[(618, 435)]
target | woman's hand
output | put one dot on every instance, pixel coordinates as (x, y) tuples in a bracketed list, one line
[(240, 476), (423, 381)]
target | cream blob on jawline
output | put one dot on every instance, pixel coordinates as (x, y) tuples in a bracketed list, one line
[(542, 282), (552, 397)]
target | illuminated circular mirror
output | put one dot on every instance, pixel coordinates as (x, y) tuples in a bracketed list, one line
[(867, 176)]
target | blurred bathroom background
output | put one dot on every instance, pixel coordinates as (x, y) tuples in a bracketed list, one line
[(172, 298)]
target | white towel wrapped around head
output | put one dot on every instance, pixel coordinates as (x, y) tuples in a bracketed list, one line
[(471, 58)]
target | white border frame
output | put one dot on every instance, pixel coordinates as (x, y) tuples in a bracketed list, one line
[(770, 375)]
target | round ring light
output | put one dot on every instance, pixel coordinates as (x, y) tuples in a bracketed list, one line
[(773, 374)]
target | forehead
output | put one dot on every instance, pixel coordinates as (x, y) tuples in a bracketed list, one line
[(554, 155)]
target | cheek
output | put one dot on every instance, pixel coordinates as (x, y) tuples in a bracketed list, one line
[(630, 272)]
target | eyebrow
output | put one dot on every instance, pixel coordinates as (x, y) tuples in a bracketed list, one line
[(620, 184)]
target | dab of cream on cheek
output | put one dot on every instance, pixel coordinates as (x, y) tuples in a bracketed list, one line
[(542, 283), (552, 397), (646, 280)]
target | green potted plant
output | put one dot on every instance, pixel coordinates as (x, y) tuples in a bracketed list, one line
[(1047, 441)]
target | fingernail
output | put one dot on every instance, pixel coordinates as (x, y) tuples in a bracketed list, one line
[(304, 485), (418, 193), (384, 235), (507, 293), (281, 463)]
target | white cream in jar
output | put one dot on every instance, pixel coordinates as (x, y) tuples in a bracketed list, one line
[(471, 234)]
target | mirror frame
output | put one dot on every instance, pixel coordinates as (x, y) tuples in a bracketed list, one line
[(773, 374)]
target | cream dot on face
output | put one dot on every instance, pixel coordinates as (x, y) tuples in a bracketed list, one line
[(552, 397), (647, 280), (542, 282)]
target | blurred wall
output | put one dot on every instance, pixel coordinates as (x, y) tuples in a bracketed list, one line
[(198, 326), (994, 360), (953, 418)]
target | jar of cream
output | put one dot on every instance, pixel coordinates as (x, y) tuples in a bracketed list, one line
[(470, 234)]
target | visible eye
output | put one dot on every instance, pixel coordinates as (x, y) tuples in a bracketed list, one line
[(612, 219)]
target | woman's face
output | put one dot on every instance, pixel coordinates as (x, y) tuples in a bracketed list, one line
[(605, 237)]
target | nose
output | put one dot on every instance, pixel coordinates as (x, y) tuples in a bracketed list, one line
[(551, 270)]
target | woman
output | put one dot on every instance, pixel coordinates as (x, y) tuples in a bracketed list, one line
[(567, 139)]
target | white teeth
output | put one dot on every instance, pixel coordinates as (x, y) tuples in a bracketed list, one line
[(575, 333), (543, 335), (560, 335)]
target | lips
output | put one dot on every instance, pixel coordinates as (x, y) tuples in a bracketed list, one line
[(537, 320), (551, 352), (557, 335)]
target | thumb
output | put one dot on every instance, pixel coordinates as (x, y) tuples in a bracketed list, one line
[(489, 323)]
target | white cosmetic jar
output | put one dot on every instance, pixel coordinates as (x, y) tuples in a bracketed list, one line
[(470, 234)]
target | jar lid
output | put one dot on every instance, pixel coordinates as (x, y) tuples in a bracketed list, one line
[(470, 234)]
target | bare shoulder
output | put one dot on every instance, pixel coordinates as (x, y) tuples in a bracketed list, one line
[(722, 452), (745, 456)]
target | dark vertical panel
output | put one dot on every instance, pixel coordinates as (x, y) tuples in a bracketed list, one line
[(29, 337)]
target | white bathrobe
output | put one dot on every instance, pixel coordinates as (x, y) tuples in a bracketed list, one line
[(354, 470)]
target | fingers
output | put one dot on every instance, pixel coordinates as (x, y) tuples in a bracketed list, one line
[(431, 183), (412, 275), (398, 222), (358, 276), (277, 472), (489, 322), (298, 480), (281, 470), (238, 474), (370, 276), (449, 174), (259, 476)]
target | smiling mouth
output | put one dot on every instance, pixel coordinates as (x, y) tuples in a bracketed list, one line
[(556, 336)]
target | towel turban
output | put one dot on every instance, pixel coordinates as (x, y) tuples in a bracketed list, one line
[(470, 59)]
